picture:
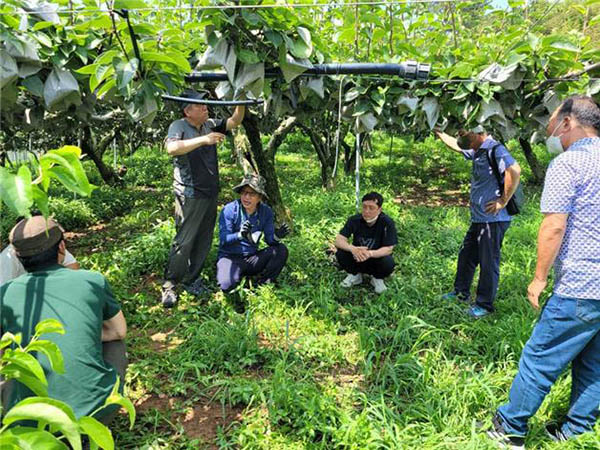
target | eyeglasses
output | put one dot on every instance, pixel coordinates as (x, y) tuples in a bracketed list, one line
[(249, 193)]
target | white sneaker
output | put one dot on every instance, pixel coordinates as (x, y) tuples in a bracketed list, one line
[(351, 280), (378, 284)]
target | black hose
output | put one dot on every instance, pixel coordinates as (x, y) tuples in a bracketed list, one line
[(212, 102), (410, 70)]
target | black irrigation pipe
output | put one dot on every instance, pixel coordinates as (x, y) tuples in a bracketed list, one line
[(212, 102), (410, 70)]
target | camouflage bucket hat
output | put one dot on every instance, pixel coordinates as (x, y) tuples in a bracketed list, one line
[(256, 182)]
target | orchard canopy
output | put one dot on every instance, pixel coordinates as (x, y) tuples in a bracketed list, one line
[(90, 74)]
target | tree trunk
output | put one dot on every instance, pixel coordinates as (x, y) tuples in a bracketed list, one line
[(87, 147), (326, 159), (537, 170), (266, 167)]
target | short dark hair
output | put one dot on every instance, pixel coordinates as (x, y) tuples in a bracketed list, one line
[(41, 260), (374, 197), (584, 109)]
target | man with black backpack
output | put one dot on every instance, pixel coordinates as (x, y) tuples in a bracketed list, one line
[(494, 179)]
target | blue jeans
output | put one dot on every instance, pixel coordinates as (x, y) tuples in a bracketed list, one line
[(567, 332)]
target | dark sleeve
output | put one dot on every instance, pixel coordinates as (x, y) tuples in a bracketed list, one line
[(218, 125), (175, 132), (349, 228), (228, 228), (269, 227), (111, 307), (390, 236)]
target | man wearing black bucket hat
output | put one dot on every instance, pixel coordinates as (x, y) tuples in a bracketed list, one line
[(242, 224), (192, 142)]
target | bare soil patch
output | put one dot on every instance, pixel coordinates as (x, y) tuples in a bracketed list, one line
[(200, 420)]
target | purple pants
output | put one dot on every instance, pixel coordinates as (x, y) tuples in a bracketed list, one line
[(267, 263)]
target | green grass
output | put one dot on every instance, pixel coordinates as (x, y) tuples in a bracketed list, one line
[(311, 365)]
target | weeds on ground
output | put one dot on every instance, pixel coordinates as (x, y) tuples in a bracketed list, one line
[(310, 364)]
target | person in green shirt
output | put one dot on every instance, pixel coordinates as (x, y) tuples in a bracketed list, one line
[(93, 345)]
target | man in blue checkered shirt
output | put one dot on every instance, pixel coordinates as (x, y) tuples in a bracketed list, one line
[(568, 330)]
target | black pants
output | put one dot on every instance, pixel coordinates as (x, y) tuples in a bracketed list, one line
[(195, 223), (267, 262), (481, 247), (377, 267)]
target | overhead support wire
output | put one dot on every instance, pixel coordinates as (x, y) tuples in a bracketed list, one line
[(332, 5)]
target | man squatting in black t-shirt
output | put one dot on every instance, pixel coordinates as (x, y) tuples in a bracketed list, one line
[(371, 249), (192, 142)]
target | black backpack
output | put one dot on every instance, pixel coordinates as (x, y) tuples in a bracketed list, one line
[(515, 204)]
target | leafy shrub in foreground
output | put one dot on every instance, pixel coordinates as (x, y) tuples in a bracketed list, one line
[(17, 363)]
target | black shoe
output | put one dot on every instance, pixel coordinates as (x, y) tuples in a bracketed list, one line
[(169, 297), (554, 432), (196, 288), (503, 437)]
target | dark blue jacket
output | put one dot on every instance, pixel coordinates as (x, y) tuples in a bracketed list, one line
[(230, 221)]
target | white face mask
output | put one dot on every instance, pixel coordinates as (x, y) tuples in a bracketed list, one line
[(553, 143), (373, 220)]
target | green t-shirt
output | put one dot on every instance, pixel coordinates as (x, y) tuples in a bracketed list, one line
[(81, 300)]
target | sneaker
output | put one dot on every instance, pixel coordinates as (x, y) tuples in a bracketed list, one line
[(477, 312), (169, 297), (352, 280), (554, 432), (378, 284), (452, 296), (196, 288), (503, 438)]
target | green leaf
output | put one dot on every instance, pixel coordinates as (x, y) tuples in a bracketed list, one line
[(115, 398), (49, 326), (34, 85), (126, 72), (37, 439), (594, 20), (181, 61), (15, 190), (248, 57), (9, 338), (97, 432), (26, 361), (106, 87), (129, 4), (64, 165), (43, 39), (274, 37), (565, 45), (25, 377), (56, 413), (40, 199), (51, 350), (157, 57), (90, 69)]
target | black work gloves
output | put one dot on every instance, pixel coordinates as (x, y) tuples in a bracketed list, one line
[(246, 232), (282, 231)]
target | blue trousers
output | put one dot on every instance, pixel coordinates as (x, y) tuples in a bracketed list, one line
[(267, 263), (481, 247), (568, 331)]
